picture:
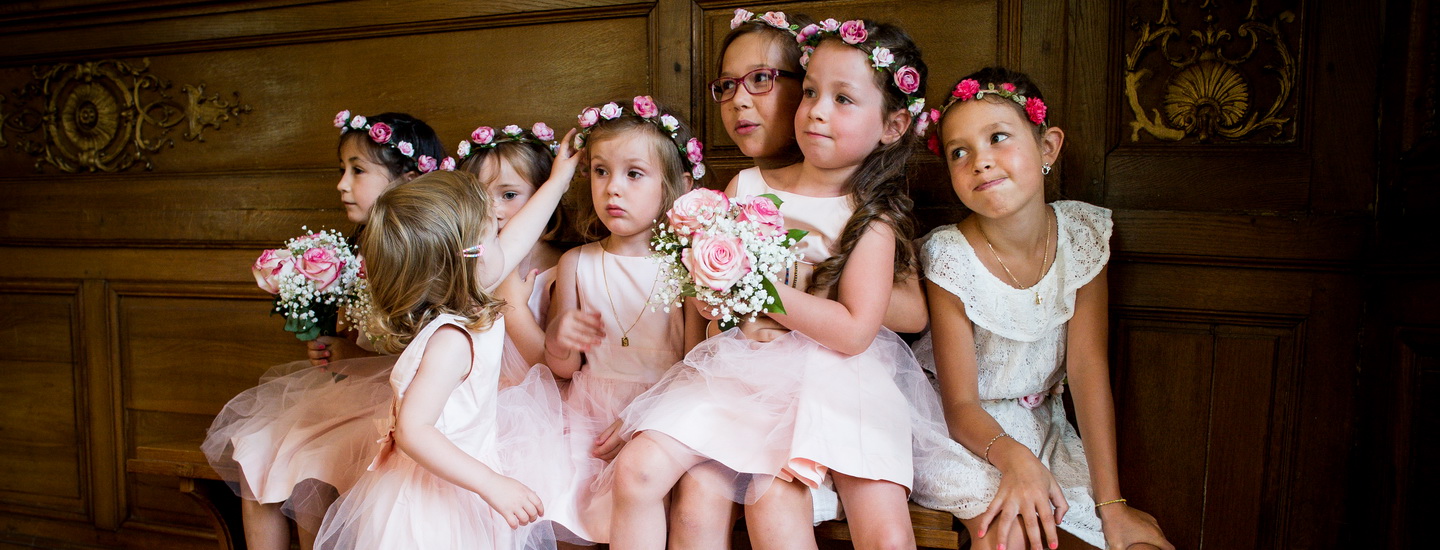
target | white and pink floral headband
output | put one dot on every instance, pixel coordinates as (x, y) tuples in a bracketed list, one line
[(644, 108), (1035, 110), (906, 78), (773, 18), (484, 138), (382, 134)]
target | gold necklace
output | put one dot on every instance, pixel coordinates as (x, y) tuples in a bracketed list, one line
[(605, 276), (1044, 258)]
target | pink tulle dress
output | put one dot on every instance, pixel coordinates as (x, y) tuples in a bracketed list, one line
[(517, 431), (613, 374), (789, 408), (305, 434)]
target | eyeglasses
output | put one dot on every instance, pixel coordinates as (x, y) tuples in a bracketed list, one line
[(757, 82)]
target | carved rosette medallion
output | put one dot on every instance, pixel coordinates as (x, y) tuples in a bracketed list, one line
[(1218, 84), (105, 116)]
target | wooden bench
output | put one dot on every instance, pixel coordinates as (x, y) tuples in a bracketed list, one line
[(933, 529), (199, 481)]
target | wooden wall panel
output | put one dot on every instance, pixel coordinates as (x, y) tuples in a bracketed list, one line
[(40, 444)]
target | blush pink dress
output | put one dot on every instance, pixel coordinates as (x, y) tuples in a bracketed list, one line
[(789, 408), (516, 431), (612, 374), (305, 434)]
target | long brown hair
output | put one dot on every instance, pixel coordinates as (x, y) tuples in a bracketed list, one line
[(413, 262), (878, 187)]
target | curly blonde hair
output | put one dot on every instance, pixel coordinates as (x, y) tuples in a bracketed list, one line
[(413, 262)]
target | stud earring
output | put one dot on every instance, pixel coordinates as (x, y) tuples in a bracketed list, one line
[(1045, 169)]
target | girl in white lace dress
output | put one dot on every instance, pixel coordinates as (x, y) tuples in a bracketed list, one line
[(1018, 303)]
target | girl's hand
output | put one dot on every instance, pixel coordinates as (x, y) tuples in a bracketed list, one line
[(608, 443), (567, 158), (517, 289), (763, 329), (1125, 526), (1029, 491), (513, 500), (577, 330), (325, 349)]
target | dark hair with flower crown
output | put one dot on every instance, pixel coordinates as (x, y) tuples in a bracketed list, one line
[(999, 85), (531, 153), (878, 185), (402, 128)]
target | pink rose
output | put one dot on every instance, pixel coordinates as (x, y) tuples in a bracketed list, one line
[(357, 123), (698, 171), (645, 107), (853, 31), (1035, 109), (380, 132), (341, 118), (805, 56), (690, 211), (966, 89), (589, 117), (907, 79), (610, 111), (776, 19), (763, 212), (448, 164), (716, 262), (1031, 401), (426, 163), (1007, 87), (741, 16), (319, 265), (806, 33), (512, 131), (270, 266), (934, 143), (463, 150), (830, 25), (881, 57), (406, 149), (693, 150), (483, 135), (922, 123), (542, 131)]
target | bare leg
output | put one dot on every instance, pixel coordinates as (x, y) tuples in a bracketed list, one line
[(644, 475), (877, 512), (992, 538), (265, 527), (700, 519), (781, 519)]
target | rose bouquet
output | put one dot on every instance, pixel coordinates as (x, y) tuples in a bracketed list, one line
[(725, 253), (312, 278)]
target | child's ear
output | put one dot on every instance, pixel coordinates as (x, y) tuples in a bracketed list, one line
[(1050, 142), (896, 124), (689, 183), (406, 177)]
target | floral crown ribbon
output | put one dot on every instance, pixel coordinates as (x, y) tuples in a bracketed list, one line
[(906, 78), (382, 134), (484, 138), (692, 151), (773, 18)]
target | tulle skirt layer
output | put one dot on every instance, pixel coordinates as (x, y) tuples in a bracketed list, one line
[(302, 435), (400, 504), (746, 412), (592, 403)]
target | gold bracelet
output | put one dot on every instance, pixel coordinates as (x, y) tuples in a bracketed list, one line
[(992, 444), (1116, 501)]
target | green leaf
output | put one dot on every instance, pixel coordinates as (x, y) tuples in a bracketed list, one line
[(773, 199), (770, 290), (794, 235)]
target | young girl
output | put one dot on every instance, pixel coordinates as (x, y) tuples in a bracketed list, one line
[(432, 254), (819, 404), (1017, 306), (305, 434), (512, 165), (604, 334)]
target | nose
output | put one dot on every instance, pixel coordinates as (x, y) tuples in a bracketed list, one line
[(983, 160), (344, 184), (742, 98)]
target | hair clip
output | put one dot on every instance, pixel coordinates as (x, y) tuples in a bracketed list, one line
[(474, 251)]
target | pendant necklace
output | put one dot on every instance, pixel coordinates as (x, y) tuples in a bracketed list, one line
[(1044, 258), (605, 277)]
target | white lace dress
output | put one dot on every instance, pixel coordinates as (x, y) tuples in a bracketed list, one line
[(1020, 353)]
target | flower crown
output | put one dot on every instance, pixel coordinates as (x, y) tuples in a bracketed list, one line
[(852, 32), (773, 18), (382, 134), (692, 151), (484, 138), (969, 88)]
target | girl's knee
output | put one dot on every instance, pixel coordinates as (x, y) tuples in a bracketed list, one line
[(895, 537), (642, 470)]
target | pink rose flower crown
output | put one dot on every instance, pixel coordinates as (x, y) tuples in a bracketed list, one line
[(382, 134), (775, 19), (486, 137), (906, 78), (644, 107), (969, 89), (726, 253), (315, 278)]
